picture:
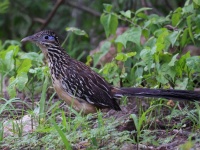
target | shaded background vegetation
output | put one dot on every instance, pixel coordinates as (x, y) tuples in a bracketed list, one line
[(20, 18)]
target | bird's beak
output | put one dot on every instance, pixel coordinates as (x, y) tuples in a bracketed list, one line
[(29, 39)]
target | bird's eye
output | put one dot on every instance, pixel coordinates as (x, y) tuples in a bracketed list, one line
[(46, 37), (49, 37)]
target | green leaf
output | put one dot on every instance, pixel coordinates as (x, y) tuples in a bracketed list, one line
[(139, 71), (76, 31), (197, 2), (108, 7), (147, 57), (11, 88), (165, 69), (190, 27), (130, 54), (181, 85), (24, 66), (181, 64), (113, 24), (142, 9), (146, 33), (161, 78), (4, 5), (14, 48), (127, 13), (193, 63), (143, 16), (123, 57), (176, 16), (162, 42), (105, 22), (111, 73), (123, 75), (8, 60), (39, 71), (173, 37), (103, 51), (110, 23), (160, 46), (32, 56), (21, 79), (19, 82), (136, 122), (188, 8), (174, 59), (132, 35), (184, 37)]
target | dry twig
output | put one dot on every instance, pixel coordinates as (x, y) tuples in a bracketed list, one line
[(51, 14), (83, 8)]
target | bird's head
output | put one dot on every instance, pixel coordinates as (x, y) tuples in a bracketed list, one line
[(44, 39)]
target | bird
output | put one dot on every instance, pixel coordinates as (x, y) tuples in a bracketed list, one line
[(85, 90)]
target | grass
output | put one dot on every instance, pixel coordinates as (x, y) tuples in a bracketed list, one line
[(69, 132), (150, 128)]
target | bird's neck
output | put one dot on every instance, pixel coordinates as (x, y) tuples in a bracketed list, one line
[(44, 50), (56, 58)]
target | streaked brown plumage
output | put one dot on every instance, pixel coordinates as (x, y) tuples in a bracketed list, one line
[(84, 89)]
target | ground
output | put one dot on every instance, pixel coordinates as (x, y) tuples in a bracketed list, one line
[(155, 124)]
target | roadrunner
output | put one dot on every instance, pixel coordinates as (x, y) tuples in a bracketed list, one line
[(84, 89)]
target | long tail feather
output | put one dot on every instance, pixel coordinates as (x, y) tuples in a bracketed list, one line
[(158, 93)]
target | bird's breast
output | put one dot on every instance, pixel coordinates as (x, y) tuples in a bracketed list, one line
[(76, 103)]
